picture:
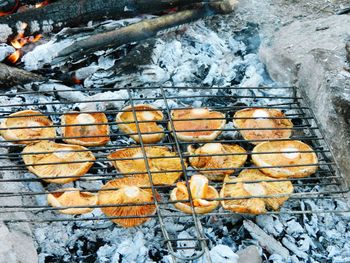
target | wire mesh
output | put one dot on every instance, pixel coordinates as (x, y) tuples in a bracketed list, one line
[(326, 183)]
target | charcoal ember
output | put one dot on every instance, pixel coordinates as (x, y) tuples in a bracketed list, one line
[(229, 133), (250, 37), (222, 98), (294, 228), (347, 48), (289, 242), (271, 224), (203, 71), (84, 249), (240, 72), (156, 254), (13, 151)]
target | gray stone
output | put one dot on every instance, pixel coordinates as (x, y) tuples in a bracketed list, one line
[(16, 242), (6, 254), (16, 247), (249, 255), (312, 55)]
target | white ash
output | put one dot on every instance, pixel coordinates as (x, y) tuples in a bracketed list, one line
[(154, 74), (34, 26), (198, 56), (5, 50), (104, 62), (5, 32), (5, 100), (253, 75), (85, 72), (119, 96), (36, 187), (20, 27), (223, 254), (104, 100), (47, 26), (186, 244), (290, 243), (71, 96), (44, 54)]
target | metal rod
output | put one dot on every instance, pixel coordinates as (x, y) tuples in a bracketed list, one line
[(124, 88)]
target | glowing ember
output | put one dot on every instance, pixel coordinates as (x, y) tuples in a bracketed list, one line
[(44, 3), (76, 80), (13, 58), (19, 41)]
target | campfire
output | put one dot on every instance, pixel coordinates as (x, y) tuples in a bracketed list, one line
[(19, 41), (141, 131)]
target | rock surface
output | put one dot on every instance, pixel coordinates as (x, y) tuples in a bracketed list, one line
[(16, 243), (305, 43), (16, 247), (312, 55)]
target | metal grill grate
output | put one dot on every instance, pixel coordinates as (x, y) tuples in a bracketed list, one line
[(226, 100)]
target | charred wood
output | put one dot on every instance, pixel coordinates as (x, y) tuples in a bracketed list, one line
[(8, 6), (11, 76), (344, 11), (32, 2), (57, 15), (265, 240), (140, 31)]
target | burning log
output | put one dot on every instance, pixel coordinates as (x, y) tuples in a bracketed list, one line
[(11, 76), (33, 2), (57, 15), (140, 31), (8, 6)]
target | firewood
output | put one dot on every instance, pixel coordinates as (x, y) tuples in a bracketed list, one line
[(8, 6), (140, 31), (32, 2), (57, 15), (344, 11), (11, 76)]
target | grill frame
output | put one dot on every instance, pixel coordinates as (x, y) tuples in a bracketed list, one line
[(297, 101)]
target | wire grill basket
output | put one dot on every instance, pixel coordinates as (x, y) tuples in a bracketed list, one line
[(326, 183)]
